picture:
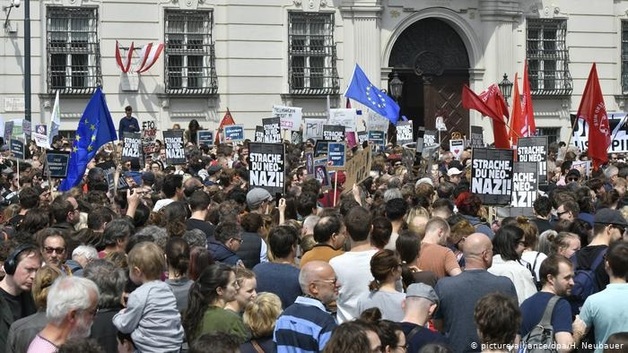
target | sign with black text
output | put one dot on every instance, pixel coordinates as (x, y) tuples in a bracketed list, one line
[(491, 175), (313, 128), (131, 148), (524, 187), (233, 133), (430, 138), (205, 137), (290, 117), (17, 148), (456, 147), (267, 167), (175, 148), (272, 132), (333, 132), (618, 130), (534, 149), (259, 134), (336, 155), (57, 163), (477, 137), (404, 132)]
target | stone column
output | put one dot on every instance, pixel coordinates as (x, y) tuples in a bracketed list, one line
[(362, 37)]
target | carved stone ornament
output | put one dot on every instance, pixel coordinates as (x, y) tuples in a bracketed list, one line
[(297, 2), (428, 63)]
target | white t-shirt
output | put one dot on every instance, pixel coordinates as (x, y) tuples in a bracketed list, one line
[(161, 204), (353, 270)]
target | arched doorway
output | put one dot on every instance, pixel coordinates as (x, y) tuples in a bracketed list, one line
[(433, 63)]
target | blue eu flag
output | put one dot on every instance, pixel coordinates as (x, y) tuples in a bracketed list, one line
[(94, 130), (362, 90)]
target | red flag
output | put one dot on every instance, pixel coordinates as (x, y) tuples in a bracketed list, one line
[(226, 120), (489, 103), (527, 110), (517, 125), (593, 111)]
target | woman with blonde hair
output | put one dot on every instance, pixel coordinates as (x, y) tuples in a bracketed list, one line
[(260, 316), (24, 330)]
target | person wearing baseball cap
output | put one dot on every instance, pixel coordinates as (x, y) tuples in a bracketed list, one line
[(421, 302), (258, 200), (455, 175)]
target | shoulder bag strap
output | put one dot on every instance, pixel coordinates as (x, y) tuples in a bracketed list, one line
[(547, 314), (599, 259), (413, 332), (257, 347)]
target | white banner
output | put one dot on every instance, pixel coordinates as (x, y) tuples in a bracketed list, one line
[(345, 117), (290, 117)]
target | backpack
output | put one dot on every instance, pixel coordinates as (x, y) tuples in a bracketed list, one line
[(541, 337), (585, 282)]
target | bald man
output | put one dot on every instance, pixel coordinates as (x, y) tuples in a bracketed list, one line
[(458, 295), (306, 325)]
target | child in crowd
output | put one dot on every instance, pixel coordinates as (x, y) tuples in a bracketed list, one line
[(151, 314)]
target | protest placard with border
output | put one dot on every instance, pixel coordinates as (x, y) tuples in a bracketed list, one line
[(534, 149), (491, 175), (267, 166), (175, 148)]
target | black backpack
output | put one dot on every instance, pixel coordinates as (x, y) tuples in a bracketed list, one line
[(585, 282), (541, 337)]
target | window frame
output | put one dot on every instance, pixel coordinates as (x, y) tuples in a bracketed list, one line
[(195, 45), (82, 78), (548, 57), (306, 46)]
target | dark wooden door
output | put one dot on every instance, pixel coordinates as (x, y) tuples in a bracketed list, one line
[(443, 98)]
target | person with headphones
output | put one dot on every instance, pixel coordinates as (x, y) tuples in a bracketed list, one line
[(15, 288)]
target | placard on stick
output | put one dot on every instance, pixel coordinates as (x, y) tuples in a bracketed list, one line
[(524, 188), (272, 132), (259, 133), (233, 133), (404, 132), (358, 168), (267, 166), (477, 137), (57, 163), (309, 162), (131, 148), (336, 155), (205, 137), (534, 149), (17, 149), (333, 132), (175, 148), (456, 147), (491, 175)]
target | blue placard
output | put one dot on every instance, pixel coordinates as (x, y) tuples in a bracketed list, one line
[(336, 155), (205, 137), (233, 133), (378, 139)]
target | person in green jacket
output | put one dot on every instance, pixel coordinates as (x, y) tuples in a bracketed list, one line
[(205, 313)]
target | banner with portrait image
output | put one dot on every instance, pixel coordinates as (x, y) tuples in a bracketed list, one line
[(175, 148), (267, 166), (534, 150), (491, 175)]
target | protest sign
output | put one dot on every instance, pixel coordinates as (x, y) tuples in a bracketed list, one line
[(296, 137), (57, 163), (267, 167), (149, 136), (205, 137), (259, 133), (343, 117), (233, 133), (109, 168), (404, 132), (377, 122), (378, 139), (456, 147), (26, 128), (618, 129), (477, 137), (175, 148), (320, 174), (491, 175), (313, 128), (8, 131), (534, 149), (131, 147), (336, 155), (524, 187), (362, 137), (358, 168), (309, 162), (272, 132), (289, 117), (41, 129), (408, 156), (17, 148), (333, 132), (321, 148), (430, 138)]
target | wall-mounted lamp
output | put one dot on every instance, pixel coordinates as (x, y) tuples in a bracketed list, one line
[(7, 9)]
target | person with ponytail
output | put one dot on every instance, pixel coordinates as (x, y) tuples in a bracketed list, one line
[(386, 270), (178, 257), (214, 288), (408, 247)]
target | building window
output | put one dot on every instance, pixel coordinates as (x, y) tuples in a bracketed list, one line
[(189, 53), (548, 57), (73, 50), (312, 54), (552, 133), (624, 57)]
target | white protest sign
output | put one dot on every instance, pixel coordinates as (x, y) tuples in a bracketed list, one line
[(456, 147), (290, 117), (345, 117)]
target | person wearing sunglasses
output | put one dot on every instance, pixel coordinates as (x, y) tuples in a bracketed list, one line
[(53, 248)]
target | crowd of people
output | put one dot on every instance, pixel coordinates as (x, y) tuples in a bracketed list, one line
[(191, 258)]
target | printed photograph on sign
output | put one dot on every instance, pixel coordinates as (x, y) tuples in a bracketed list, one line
[(404, 132), (534, 149), (336, 155), (296, 137), (456, 147), (233, 133), (267, 166), (309, 162), (272, 131), (175, 148), (320, 174), (491, 175)]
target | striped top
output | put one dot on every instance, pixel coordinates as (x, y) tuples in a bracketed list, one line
[(304, 327)]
